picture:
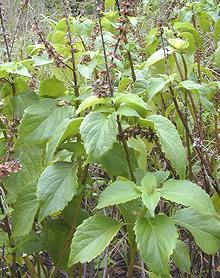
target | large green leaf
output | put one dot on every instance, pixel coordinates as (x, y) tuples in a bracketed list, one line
[(91, 238), (55, 234), (31, 159), (117, 193), (156, 239), (181, 257), (25, 210), (170, 143), (114, 162), (56, 187), (204, 228), (40, 121), (52, 87), (98, 133), (68, 127), (188, 194)]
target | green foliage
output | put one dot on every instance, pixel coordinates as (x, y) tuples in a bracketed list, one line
[(110, 136)]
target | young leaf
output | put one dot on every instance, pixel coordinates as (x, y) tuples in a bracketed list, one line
[(25, 210), (204, 228), (117, 193), (91, 238), (40, 121), (170, 143), (150, 196), (134, 102), (56, 187), (156, 239), (98, 133), (188, 194), (90, 101), (181, 257)]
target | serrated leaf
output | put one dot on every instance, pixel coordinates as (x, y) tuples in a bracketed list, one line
[(156, 239), (188, 194), (91, 238), (170, 142), (56, 187), (117, 193), (134, 102), (68, 127), (31, 159), (40, 121), (90, 101), (204, 228), (98, 133), (25, 210), (181, 257)]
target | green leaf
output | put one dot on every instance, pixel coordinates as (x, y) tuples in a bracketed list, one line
[(91, 238), (157, 56), (56, 187), (25, 210), (139, 145), (29, 244), (90, 101), (135, 102), (217, 56), (156, 239), (181, 257), (57, 231), (130, 211), (68, 128), (150, 196), (188, 194), (170, 142), (40, 121), (87, 70), (109, 3), (21, 102), (52, 87), (31, 159), (98, 133), (204, 228), (114, 161), (117, 193), (178, 43)]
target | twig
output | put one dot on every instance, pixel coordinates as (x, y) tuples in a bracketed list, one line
[(105, 56)]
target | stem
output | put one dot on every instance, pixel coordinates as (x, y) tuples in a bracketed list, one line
[(132, 262), (125, 146), (105, 56), (76, 87), (30, 267), (132, 66)]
